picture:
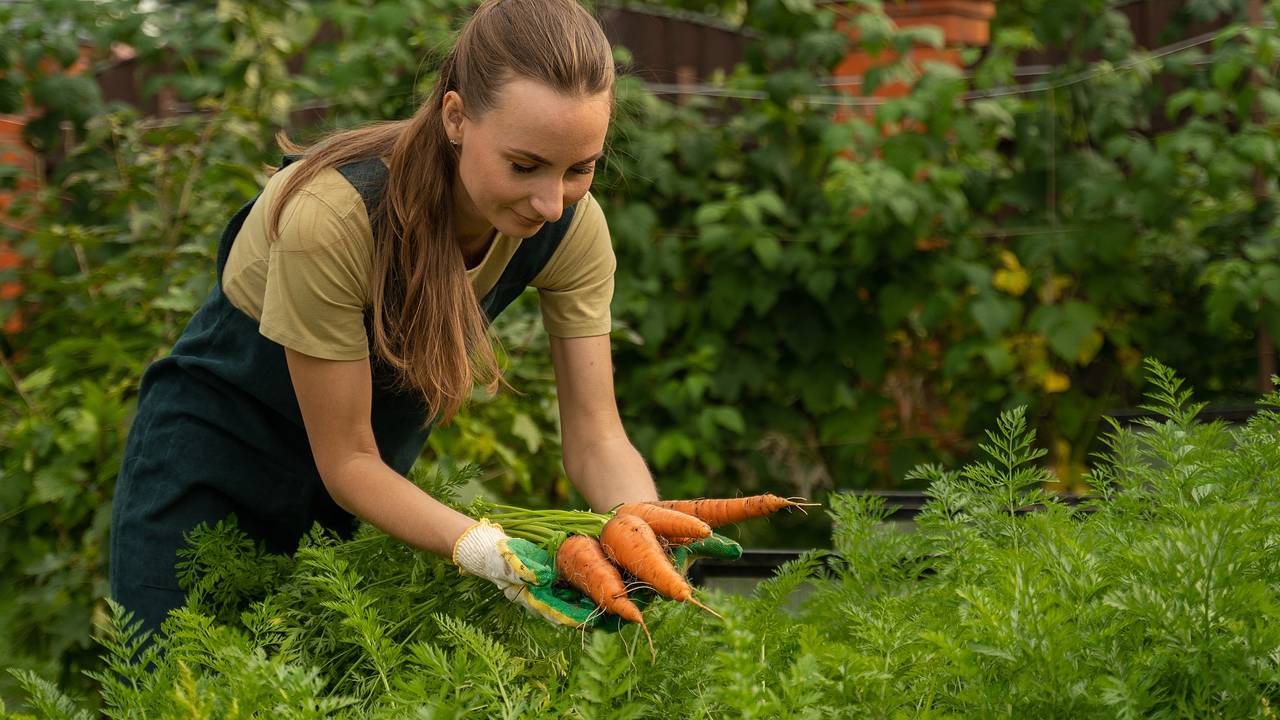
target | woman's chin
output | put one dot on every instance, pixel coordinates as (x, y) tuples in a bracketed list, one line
[(518, 230)]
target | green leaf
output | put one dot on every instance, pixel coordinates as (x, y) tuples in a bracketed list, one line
[(927, 35), (1269, 100), (903, 207), (1067, 327), (710, 213), (523, 427), (1220, 307), (1180, 101), (820, 283), (995, 314), (10, 95), (769, 202), (850, 425), (768, 250), (998, 358), (48, 699), (74, 97), (671, 445), (177, 299), (54, 485), (40, 380), (729, 418), (1226, 72), (1257, 149), (896, 303)]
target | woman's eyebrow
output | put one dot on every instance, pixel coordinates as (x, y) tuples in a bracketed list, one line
[(539, 159)]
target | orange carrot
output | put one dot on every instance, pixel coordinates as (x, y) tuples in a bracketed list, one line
[(630, 542), (582, 563), (667, 523), (726, 511)]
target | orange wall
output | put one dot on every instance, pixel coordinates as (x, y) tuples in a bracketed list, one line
[(15, 153), (964, 24)]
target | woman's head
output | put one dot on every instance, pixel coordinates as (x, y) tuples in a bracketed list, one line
[(528, 110), (526, 92), (522, 162), (555, 42)]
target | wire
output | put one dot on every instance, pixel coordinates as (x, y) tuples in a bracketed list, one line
[(707, 90), (1005, 91)]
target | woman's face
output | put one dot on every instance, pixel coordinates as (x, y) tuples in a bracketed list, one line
[(523, 162)]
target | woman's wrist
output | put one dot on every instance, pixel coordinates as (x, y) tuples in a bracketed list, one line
[(610, 473)]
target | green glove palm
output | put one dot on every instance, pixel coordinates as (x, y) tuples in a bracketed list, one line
[(716, 546), (523, 572), (564, 605)]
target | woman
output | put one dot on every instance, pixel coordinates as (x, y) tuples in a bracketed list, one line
[(352, 306)]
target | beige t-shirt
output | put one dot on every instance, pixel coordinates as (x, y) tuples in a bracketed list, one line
[(308, 290)]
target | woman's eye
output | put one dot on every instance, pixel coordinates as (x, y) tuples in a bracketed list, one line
[(585, 170), (523, 169)]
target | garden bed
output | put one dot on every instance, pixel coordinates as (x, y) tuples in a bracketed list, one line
[(1161, 601)]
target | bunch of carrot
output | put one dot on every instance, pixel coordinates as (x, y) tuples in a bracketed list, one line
[(594, 549)]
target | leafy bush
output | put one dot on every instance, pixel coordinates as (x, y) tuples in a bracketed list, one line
[(119, 252), (1158, 599), (806, 297), (828, 295)]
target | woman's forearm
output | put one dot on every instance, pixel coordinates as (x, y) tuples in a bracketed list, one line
[(368, 488), (608, 472)]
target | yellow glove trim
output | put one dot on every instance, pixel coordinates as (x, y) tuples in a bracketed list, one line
[(529, 576), (546, 610)]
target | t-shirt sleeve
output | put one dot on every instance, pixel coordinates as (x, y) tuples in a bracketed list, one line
[(317, 281), (576, 287)]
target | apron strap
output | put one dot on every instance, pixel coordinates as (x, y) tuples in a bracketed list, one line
[(237, 221), (369, 178)]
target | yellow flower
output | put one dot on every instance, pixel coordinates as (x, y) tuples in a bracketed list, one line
[(1055, 382), (1012, 278)]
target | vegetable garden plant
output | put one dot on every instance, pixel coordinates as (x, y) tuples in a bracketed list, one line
[(801, 299), (1160, 597)]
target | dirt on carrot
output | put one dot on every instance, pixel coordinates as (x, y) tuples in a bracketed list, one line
[(631, 543), (666, 522), (581, 562)]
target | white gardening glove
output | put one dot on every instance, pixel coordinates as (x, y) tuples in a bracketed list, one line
[(523, 572)]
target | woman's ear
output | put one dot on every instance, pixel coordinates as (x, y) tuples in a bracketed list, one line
[(452, 116)]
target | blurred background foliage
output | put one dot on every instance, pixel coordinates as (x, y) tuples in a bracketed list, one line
[(813, 295)]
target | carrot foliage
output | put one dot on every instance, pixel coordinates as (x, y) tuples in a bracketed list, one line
[(1158, 598)]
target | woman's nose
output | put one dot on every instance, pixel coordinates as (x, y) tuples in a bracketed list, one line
[(549, 202)]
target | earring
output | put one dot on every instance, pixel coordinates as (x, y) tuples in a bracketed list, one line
[(454, 143)]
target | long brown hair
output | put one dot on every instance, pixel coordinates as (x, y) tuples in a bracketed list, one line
[(427, 322)]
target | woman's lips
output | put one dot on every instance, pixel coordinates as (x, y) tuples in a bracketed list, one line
[(525, 220)]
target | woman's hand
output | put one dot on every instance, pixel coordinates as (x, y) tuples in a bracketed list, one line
[(523, 572)]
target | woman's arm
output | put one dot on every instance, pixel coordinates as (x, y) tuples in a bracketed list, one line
[(598, 457), (336, 399)]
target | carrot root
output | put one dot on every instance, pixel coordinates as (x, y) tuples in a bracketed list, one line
[(726, 511), (630, 542), (697, 602), (665, 522), (582, 563)]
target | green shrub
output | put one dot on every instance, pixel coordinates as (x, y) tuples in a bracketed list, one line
[(805, 303)]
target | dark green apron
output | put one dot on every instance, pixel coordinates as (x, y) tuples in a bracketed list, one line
[(218, 430)]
